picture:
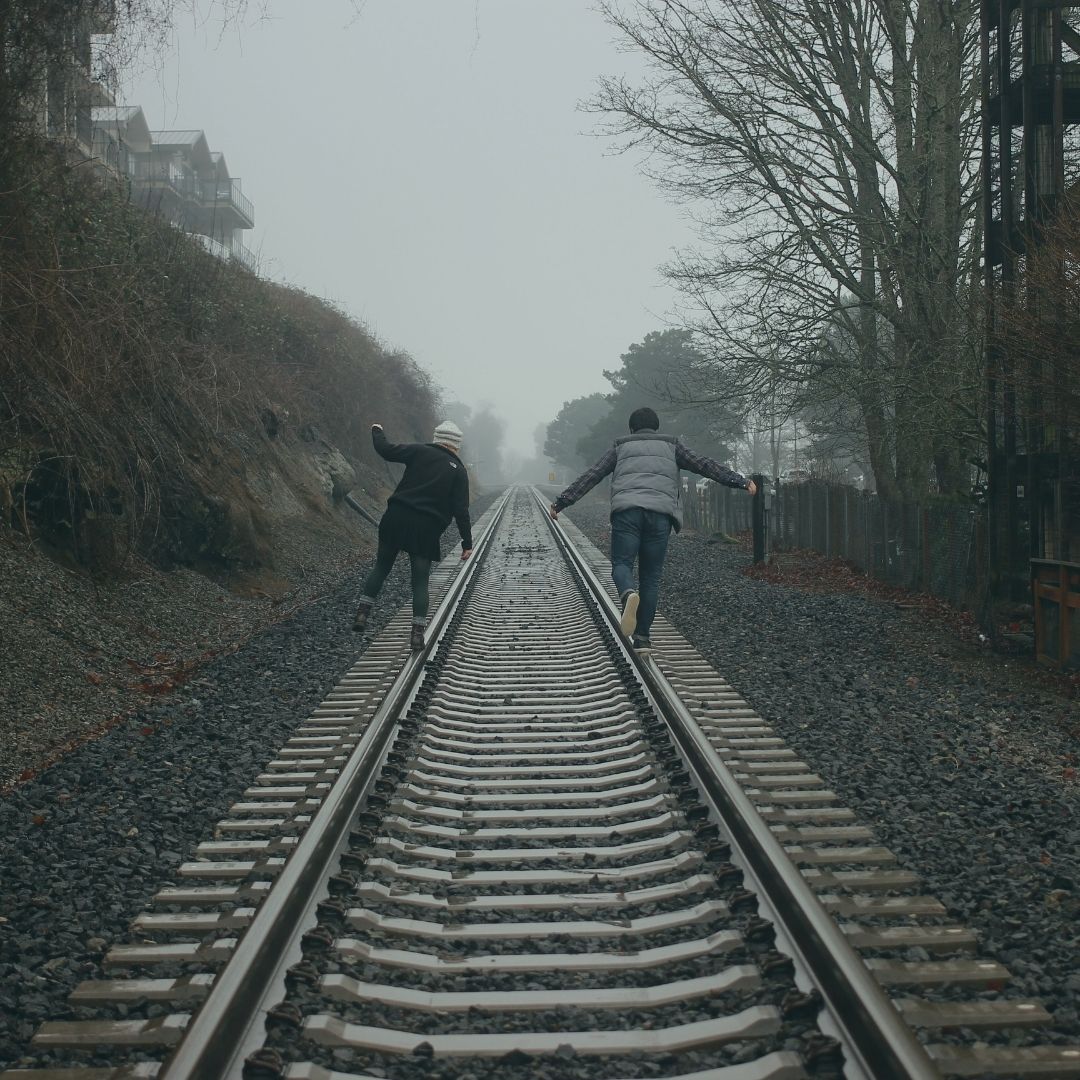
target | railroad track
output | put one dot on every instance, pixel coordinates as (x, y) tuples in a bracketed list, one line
[(529, 853)]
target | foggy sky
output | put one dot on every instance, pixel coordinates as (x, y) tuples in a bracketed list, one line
[(424, 164)]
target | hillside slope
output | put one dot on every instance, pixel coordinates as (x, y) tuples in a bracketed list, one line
[(80, 652), (177, 441)]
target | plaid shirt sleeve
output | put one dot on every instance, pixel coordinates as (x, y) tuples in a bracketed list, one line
[(703, 466), (587, 481)]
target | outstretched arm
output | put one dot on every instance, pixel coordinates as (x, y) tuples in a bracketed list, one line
[(461, 513), (584, 483), (403, 452), (704, 466)]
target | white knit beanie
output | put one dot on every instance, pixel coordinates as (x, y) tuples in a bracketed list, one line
[(449, 434)]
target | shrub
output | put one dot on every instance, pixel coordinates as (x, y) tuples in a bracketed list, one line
[(138, 372)]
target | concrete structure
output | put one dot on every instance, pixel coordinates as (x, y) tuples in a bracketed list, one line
[(176, 175), (69, 87), (1030, 121)]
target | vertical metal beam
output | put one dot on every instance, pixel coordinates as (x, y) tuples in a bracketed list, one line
[(1028, 34), (1059, 448), (1025, 414), (1003, 492), (927, 554), (847, 523), (758, 518), (1057, 107), (992, 240), (828, 522), (1034, 208)]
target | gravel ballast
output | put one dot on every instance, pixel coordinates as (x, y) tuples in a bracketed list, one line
[(961, 761), (88, 842), (960, 766), (81, 652), (514, 627)]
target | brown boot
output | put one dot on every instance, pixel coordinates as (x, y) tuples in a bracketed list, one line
[(362, 613), (416, 638)]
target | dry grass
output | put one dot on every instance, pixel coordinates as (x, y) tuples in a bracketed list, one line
[(139, 374)]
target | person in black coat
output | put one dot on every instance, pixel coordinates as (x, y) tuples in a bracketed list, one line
[(434, 489)]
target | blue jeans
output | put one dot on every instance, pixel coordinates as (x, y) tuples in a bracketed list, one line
[(642, 535)]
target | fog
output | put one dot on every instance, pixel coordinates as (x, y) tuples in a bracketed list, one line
[(425, 164)]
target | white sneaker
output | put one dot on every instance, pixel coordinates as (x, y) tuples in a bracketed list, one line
[(628, 623)]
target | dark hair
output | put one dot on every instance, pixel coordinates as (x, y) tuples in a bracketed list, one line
[(644, 418)]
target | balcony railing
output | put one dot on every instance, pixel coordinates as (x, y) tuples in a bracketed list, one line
[(228, 192), (159, 175), (111, 152), (234, 251), (244, 255), (210, 194), (215, 247)]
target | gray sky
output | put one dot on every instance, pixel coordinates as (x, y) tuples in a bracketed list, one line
[(424, 164)]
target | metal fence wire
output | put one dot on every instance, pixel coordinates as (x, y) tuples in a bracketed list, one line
[(714, 508), (936, 548)]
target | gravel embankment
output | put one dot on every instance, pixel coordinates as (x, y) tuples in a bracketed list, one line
[(81, 653), (88, 842), (956, 760), (961, 762)]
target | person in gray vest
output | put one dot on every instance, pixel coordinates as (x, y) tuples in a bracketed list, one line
[(645, 504)]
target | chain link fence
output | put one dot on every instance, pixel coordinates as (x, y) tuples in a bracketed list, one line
[(937, 548)]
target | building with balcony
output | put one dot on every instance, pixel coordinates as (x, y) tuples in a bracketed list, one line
[(175, 175), (71, 76), (119, 134)]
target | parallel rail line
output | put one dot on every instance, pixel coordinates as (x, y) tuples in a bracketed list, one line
[(530, 848)]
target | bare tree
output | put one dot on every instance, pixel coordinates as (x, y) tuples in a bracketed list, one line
[(831, 144)]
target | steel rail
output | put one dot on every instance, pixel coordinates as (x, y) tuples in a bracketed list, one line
[(872, 1030), (221, 1033)]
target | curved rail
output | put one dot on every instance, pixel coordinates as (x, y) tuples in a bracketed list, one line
[(871, 1028), (211, 1048)]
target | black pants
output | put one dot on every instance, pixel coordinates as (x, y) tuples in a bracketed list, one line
[(421, 571)]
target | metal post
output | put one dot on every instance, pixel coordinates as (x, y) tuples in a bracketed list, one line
[(993, 247), (768, 521), (885, 541), (758, 511), (828, 522), (847, 524), (927, 569), (866, 535)]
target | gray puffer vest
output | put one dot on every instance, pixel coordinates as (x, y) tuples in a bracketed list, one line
[(646, 475)]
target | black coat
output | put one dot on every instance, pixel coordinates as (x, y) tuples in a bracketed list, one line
[(435, 484)]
